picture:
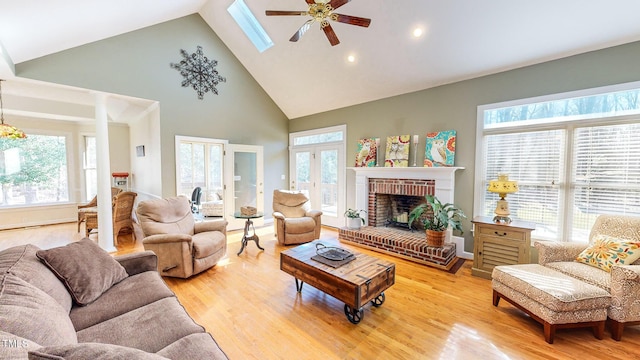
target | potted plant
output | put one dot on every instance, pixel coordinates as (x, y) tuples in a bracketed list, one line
[(354, 220), (436, 223)]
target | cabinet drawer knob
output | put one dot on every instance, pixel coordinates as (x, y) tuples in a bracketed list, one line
[(500, 234)]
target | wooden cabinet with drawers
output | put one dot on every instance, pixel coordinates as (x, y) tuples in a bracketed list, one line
[(499, 244)]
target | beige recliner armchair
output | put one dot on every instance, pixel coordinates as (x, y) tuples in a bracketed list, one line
[(295, 222), (184, 247)]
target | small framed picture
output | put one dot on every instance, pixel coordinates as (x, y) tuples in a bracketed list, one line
[(140, 150)]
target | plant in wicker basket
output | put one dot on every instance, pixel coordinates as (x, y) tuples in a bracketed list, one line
[(438, 220)]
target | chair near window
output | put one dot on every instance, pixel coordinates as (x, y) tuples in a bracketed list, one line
[(92, 206), (196, 196), (122, 210), (621, 281), (295, 222)]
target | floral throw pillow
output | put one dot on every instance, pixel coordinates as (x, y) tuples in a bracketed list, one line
[(606, 251)]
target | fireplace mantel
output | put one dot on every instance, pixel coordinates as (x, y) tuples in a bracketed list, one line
[(444, 178)]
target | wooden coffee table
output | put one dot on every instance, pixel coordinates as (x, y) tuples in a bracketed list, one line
[(354, 283)]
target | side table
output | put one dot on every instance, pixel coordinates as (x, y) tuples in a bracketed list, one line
[(246, 237), (499, 244)]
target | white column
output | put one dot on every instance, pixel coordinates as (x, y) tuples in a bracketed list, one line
[(105, 216), (362, 195)]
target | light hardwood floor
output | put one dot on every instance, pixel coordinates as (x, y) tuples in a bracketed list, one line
[(254, 312)]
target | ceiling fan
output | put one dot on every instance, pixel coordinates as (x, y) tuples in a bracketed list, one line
[(322, 11)]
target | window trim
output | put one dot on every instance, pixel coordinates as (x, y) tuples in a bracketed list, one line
[(570, 127)]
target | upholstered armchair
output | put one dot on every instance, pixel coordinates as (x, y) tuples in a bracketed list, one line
[(92, 206), (122, 209), (623, 282), (184, 247), (295, 222)]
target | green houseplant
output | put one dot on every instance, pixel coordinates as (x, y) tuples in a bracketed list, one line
[(436, 223), (354, 220)]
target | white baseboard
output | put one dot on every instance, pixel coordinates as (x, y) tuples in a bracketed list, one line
[(459, 241)]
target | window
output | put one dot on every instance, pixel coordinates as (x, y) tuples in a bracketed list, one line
[(605, 174), (535, 159), (321, 138), (200, 163), (575, 156), (33, 170), (250, 25), (90, 170), (192, 168)]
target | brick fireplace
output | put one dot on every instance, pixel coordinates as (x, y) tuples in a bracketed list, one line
[(390, 199), (388, 195)]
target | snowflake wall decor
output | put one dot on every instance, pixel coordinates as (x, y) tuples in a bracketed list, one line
[(199, 72)]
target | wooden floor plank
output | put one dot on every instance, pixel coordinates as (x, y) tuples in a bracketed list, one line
[(254, 312)]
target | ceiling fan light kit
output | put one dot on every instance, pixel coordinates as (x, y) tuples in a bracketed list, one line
[(321, 11)]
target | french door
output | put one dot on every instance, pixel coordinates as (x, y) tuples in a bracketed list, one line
[(246, 181), (200, 163), (319, 170)]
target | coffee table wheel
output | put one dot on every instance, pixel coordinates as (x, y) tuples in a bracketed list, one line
[(378, 301), (353, 315)]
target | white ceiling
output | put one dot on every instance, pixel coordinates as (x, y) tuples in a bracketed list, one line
[(463, 39)]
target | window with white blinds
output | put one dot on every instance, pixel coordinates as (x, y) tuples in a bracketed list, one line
[(574, 157), (536, 160), (605, 174)]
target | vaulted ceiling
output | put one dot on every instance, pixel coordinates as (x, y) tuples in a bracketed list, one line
[(461, 39)]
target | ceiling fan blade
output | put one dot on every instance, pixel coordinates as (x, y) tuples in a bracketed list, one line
[(284, 12), (303, 29), (353, 20), (337, 3), (331, 35), (310, 2)]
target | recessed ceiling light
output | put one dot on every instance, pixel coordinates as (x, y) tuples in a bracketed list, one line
[(351, 58), (418, 32)]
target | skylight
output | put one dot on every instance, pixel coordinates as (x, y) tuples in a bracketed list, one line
[(250, 25)]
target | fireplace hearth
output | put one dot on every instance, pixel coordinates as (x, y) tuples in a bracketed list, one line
[(410, 245), (389, 194)]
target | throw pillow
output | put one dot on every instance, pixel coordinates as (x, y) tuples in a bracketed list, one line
[(606, 251), (86, 269), (94, 351), (31, 314)]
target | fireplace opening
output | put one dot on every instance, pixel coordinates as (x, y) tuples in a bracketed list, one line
[(394, 210), (391, 200)]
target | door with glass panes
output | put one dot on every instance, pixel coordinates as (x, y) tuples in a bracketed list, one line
[(319, 170), (246, 182), (200, 163)]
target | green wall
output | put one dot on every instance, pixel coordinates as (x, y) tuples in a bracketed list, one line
[(137, 64), (454, 107)]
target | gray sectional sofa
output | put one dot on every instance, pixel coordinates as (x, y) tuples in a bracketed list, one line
[(127, 310)]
